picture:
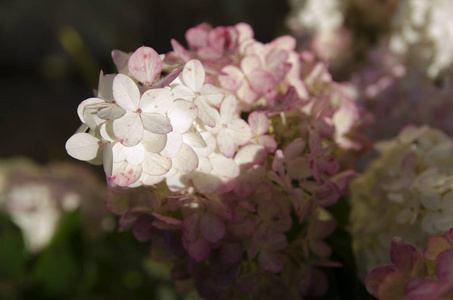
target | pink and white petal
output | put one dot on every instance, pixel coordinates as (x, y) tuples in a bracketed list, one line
[(120, 60), (186, 161), (182, 114), (228, 109), (261, 81), (126, 92), (179, 50), (246, 94), (286, 42), (168, 79), (231, 253), (105, 86), (194, 139), (258, 123), (240, 131), (83, 146), (294, 149), (112, 112), (206, 183), (156, 123), (278, 162), (268, 142), (128, 129), (155, 164), (225, 143), (207, 114), (145, 64), (193, 75), (197, 37), (124, 174), (250, 155), (211, 227), (154, 142), (156, 101), (250, 63), (174, 144), (224, 167), (211, 95), (231, 78), (183, 92)]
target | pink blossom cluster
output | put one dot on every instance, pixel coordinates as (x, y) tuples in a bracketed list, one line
[(224, 155), (415, 274)]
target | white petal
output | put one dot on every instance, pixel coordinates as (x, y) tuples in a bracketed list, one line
[(211, 144), (105, 87), (194, 139), (83, 146), (228, 109), (155, 164), (106, 131), (211, 94), (175, 182), (193, 75), (207, 114), (128, 129), (156, 123), (250, 155), (223, 166), (240, 131), (258, 123), (186, 161), (146, 179), (182, 114), (136, 154), (120, 152), (156, 101), (225, 143), (154, 142), (174, 144), (87, 111), (183, 92), (126, 92), (112, 112), (124, 174)]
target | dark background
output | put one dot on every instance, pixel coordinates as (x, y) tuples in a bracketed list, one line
[(51, 53)]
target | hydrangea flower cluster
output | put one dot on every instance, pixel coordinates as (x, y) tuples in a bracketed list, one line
[(396, 54), (407, 191), (415, 274), (36, 197), (224, 155)]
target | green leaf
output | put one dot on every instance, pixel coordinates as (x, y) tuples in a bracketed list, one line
[(12, 251)]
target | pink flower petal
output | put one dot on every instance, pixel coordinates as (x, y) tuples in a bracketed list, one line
[(211, 227), (124, 174), (145, 64)]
